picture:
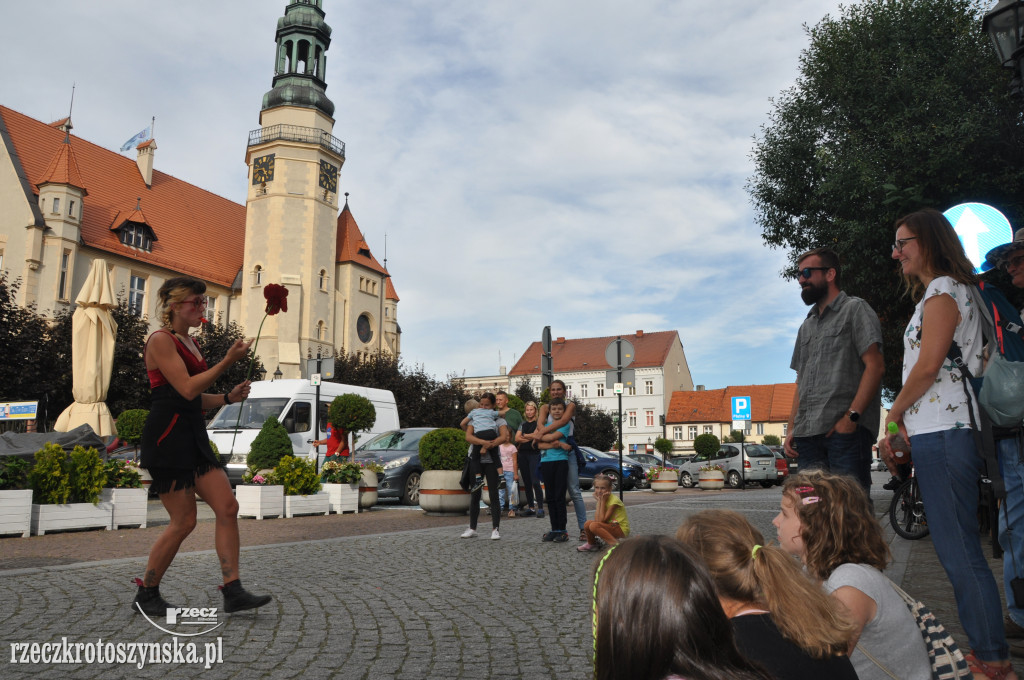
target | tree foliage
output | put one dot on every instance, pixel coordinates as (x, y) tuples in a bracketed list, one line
[(214, 341), (706, 444), (771, 440), (900, 104), (593, 427), (27, 371), (525, 391), (270, 445)]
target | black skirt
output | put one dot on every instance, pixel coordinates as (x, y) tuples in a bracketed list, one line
[(175, 447)]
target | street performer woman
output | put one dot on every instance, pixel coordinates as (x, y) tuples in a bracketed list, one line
[(176, 450)]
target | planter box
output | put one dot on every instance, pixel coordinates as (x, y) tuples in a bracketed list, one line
[(314, 504), (130, 506), (666, 481), (16, 512), (368, 490), (70, 516), (714, 479), (342, 497), (440, 493), (260, 501)]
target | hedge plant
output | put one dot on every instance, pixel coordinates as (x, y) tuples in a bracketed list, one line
[(706, 444), (50, 478), (130, 423), (443, 449), (13, 473), (86, 476), (297, 475), (269, 446), (122, 474), (663, 446)]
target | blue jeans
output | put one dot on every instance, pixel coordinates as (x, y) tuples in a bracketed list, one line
[(574, 492), (503, 494), (843, 454), (1011, 537), (948, 468)]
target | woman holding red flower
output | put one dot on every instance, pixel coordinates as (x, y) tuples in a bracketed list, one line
[(176, 450)]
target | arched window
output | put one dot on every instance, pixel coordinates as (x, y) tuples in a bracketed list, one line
[(323, 279), (321, 331), (257, 275)]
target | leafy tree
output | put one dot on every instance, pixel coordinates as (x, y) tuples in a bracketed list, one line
[(525, 391), (27, 372), (737, 436), (352, 413), (593, 427), (771, 440), (215, 340), (663, 446), (706, 444), (900, 104)]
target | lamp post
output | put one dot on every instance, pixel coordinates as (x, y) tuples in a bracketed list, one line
[(277, 374), (1004, 24), (263, 373)]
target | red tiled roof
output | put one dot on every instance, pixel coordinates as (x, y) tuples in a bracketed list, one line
[(201, 234), (587, 354), (768, 403), (63, 169), (352, 247), (391, 294)]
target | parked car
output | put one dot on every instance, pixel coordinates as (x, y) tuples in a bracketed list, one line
[(782, 465), (791, 462), (680, 460), (399, 452), (646, 461), (757, 465), (599, 462)]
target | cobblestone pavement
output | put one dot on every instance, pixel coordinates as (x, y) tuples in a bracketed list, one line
[(418, 603)]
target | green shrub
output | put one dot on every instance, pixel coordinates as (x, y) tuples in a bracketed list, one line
[(334, 472), (443, 449), (297, 476), (122, 474), (737, 436), (516, 403), (706, 444), (130, 423), (269, 446), (771, 440), (663, 446), (13, 473), (352, 413), (50, 478), (86, 475)]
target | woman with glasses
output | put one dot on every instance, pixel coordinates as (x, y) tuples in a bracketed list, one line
[(176, 450), (931, 411)]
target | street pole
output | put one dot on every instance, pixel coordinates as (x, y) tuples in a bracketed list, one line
[(618, 368), (316, 414)]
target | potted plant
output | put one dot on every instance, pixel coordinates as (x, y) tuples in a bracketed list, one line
[(269, 446), (711, 476), (664, 447), (663, 479), (372, 473), (259, 496), (66, 490), (125, 493), (301, 487), (443, 455), (129, 426), (15, 496), (340, 481)]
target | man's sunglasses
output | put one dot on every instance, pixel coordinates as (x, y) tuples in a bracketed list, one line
[(805, 273)]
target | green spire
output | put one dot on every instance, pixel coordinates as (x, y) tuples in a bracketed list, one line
[(299, 69)]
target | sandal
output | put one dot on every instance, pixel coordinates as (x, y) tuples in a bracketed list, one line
[(977, 666), (511, 513)]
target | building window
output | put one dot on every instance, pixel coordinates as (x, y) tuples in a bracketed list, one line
[(323, 279), (71, 208), (62, 285), (632, 418), (760, 428), (649, 418), (746, 427), (600, 389), (691, 432), (677, 432), (386, 312), (211, 309), (257, 275), (709, 429), (785, 429), (568, 392), (137, 295), (583, 390), (631, 390), (56, 206), (648, 387), (135, 236)]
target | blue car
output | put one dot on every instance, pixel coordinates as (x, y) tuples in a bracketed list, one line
[(599, 462)]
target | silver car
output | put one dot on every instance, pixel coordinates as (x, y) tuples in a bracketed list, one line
[(757, 465)]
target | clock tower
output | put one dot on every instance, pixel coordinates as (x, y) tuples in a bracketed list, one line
[(292, 203)]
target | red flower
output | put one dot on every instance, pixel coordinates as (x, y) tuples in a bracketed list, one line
[(277, 298)]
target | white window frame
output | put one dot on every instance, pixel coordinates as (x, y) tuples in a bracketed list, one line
[(583, 390), (709, 429), (649, 417), (600, 389), (137, 294), (631, 418), (677, 432), (62, 280), (648, 387)]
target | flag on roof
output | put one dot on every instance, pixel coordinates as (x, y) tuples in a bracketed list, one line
[(134, 141)]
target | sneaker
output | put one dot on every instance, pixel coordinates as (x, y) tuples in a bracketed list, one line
[(478, 484), (548, 537), (468, 533), (1013, 630), (502, 484), (587, 547), (495, 535), (540, 513), (893, 483), (561, 537), (527, 512)]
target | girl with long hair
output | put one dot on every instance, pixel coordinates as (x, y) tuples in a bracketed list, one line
[(781, 619), (656, 617), (826, 521), (529, 461), (935, 414)]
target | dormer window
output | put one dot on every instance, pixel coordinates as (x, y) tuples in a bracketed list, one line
[(56, 206), (135, 235)]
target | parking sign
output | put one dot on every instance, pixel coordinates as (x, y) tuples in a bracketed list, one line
[(741, 408)]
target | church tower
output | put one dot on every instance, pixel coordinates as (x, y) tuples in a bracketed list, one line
[(292, 203)]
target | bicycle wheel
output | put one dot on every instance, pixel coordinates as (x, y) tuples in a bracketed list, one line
[(906, 511)]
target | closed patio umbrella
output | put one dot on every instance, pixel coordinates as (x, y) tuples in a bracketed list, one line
[(93, 331)]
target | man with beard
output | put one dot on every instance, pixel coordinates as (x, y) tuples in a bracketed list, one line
[(838, 361)]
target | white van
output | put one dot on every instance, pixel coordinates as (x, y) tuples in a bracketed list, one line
[(291, 402)]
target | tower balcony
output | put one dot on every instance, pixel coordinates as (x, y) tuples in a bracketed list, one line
[(297, 133)]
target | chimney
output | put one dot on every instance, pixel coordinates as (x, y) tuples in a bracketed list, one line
[(559, 341), (502, 370), (639, 334), (700, 388), (145, 161)]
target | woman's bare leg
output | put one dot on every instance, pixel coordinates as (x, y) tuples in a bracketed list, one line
[(181, 506), (215, 489)]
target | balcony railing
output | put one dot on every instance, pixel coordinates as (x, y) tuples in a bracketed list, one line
[(297, 133)]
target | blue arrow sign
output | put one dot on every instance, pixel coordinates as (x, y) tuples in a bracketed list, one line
[(980, 228), (741, 408)]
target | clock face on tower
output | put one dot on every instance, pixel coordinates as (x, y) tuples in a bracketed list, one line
[(263, 169), (328, 177)]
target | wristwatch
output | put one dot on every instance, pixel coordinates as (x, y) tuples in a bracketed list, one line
[(854, 416)]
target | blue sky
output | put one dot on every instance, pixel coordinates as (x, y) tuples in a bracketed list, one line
[(577, 164)]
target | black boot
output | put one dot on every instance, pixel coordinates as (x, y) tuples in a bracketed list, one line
[(148, 601), (237, 598)]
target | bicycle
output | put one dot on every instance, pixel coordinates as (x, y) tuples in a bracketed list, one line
[(906, 511)]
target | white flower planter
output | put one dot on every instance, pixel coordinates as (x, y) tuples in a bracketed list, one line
[(50, 517), (342, 497), (314, 504), (711, 479), (666, 481), (16, 512), (368, 490), (130, 506), (440, 493), (260, 501)]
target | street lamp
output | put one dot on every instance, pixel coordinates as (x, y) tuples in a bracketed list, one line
[(1004, 24), (277, 373), (263, 373)]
